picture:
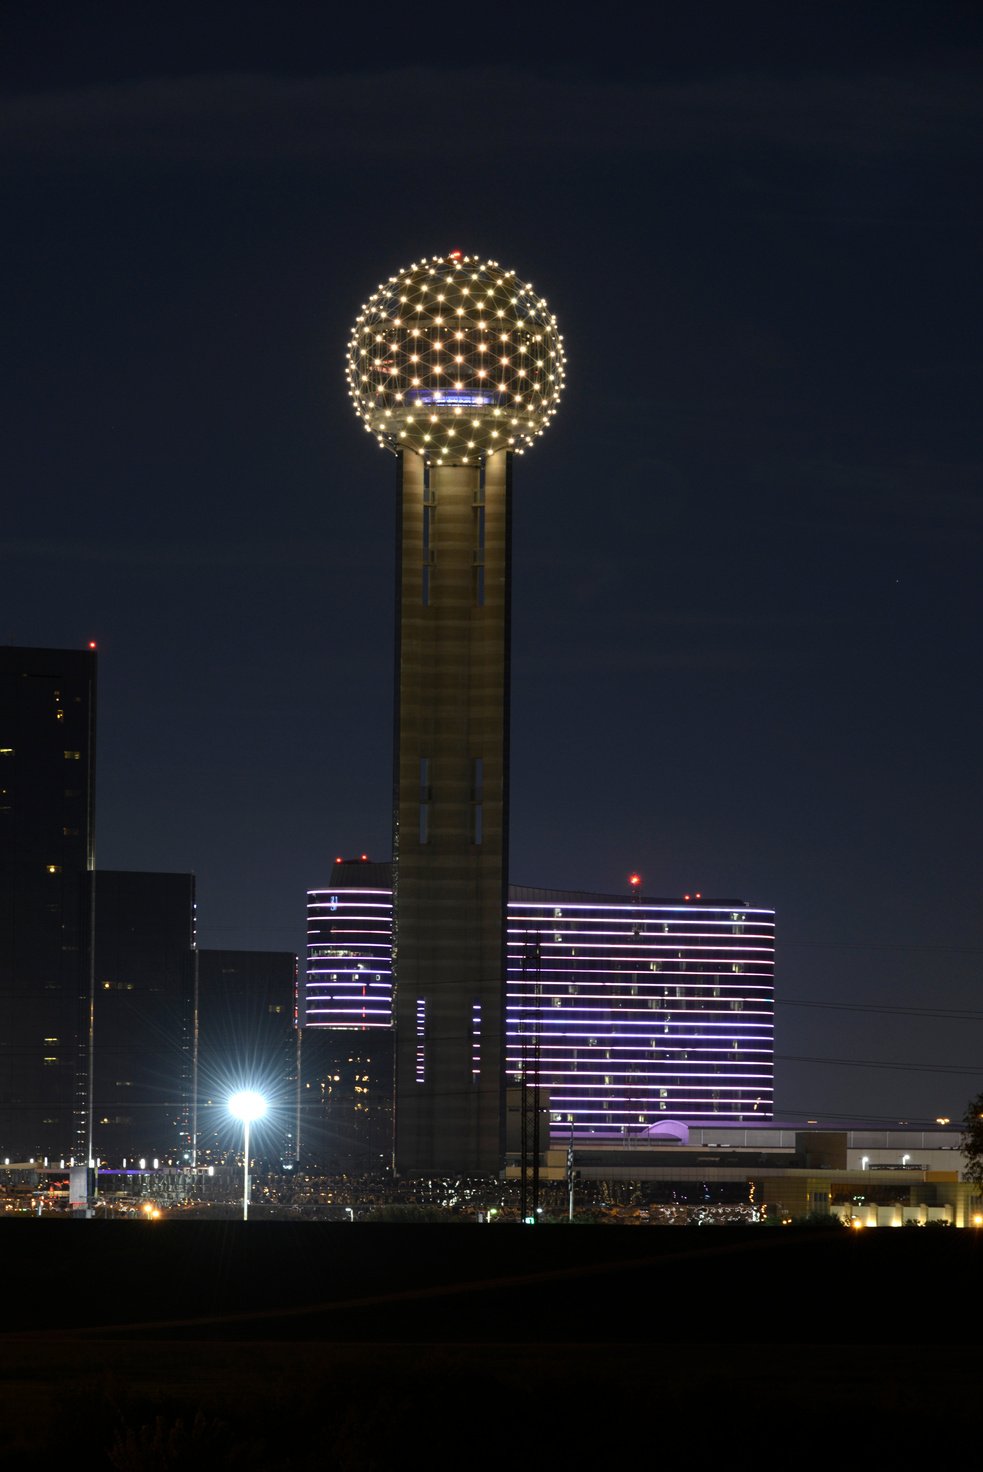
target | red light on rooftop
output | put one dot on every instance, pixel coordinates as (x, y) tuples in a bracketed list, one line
[(634, 880), (698, 895), (685, 896), (338, 859), (365, 858), (92, 643), (453, 255)]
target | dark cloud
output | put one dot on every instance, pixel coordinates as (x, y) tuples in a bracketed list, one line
[(253, 118), (910, 501), (285, 553)]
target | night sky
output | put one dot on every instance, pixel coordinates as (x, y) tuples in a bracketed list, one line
[(746, 602)]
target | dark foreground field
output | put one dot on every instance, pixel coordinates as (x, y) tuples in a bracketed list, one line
[(188, 1344)]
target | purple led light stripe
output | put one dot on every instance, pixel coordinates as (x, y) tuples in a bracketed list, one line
[(348, 894), (421, 1033), (563, 1029), (476, 1039), (646, 940), (547, 907)]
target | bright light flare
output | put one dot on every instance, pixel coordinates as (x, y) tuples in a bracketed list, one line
[(247, 1105)]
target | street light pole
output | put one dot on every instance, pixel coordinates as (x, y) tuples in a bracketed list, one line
[(245, 1170), (246, 1105)]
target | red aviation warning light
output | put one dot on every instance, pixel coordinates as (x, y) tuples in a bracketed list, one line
[(92, 643), (634, 880), (453, 255)]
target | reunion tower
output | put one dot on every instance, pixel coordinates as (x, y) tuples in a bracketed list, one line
[(455, 365)]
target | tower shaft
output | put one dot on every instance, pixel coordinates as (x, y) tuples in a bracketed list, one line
[(451, 814)]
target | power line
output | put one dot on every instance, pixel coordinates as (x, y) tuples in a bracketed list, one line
[(875, 1063), (884, 1007), (875, 945), (888, 1121)]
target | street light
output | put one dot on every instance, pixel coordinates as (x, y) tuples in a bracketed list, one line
[(246, 1105)]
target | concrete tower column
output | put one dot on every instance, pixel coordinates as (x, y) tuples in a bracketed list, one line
[(451, 813)]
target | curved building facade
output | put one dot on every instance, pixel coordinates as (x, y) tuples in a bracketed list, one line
[(349, 950)]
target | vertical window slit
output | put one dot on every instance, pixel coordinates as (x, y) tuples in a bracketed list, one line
[(429, 510), (479, 556), (478, 551), (477, 798), (425, 799)]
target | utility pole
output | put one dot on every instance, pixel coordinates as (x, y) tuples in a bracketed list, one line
[(571, 1176), (529, 1096)]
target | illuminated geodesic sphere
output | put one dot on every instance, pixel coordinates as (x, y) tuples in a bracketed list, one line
[(455, 358)]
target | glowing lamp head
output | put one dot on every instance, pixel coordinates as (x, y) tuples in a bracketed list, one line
[(455, 358), (247, 1105), (634, 880)]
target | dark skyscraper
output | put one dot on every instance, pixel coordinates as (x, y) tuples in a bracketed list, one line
[(454, 364), (246, 1039), (178, 1029), (47, 844), (144, 1015)]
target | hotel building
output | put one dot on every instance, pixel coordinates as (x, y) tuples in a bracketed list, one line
[(628, 1011)]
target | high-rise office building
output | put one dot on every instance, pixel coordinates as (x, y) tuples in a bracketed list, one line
[(100, 978), (47, 847), (178, 1029), (628, 1011), (144, 1034), (454, 365)]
